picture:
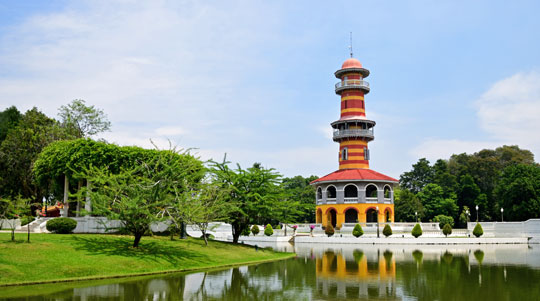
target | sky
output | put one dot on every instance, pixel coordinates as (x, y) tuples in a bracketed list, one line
[(255, 79)]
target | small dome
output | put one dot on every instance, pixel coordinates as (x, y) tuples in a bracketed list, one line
[(351, 63)]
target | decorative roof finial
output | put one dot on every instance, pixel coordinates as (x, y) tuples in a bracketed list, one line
[(350, 46)]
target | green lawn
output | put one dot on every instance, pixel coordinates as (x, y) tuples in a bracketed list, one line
[(53, 257)]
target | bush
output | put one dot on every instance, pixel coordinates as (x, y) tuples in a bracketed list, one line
[(268, 231), (416, 231), (357, 231), (478, 231), (245, 232), (255, 229), (61, 225), (278, 227), (387, 231), (443, 220), (447, 230), (329, 230)]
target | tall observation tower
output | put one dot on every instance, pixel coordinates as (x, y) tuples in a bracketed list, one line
[(354, 193)]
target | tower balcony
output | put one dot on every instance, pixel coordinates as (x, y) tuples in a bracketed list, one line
[(353, 133), (352, 84)]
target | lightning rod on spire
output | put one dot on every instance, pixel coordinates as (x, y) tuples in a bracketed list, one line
[(350, 45)]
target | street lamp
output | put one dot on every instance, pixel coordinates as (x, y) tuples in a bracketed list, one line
[(477, 213), (502, 214), (416, 216), (377, 221), (468, 215)]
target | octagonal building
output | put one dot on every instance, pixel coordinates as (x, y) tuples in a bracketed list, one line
[(354, 193)]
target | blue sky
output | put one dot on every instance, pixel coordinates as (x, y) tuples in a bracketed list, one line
[(255, 79)]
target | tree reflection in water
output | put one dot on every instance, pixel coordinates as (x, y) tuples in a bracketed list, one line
[(328, 273)]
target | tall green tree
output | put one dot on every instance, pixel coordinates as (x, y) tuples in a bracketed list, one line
[(406, 204), (432, 197), (9, 119), (297, 189), (421, 175), (254, 192), (20, 149), (518, 192), (83, 120)]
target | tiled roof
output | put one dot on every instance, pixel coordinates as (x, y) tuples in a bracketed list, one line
[(355, 174)]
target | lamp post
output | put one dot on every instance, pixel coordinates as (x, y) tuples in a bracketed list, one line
[(468, 215), (416, 216), (502, 214), (477, 213), (377, 221)]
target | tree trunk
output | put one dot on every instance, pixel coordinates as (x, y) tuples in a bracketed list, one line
[(12, 234), (137, 240), (28, 228), (236, 232), (205, 238)]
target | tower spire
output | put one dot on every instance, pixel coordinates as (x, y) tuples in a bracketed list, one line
[(350, 45)]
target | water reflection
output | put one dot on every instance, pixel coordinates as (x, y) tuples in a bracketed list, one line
[(328, 272)]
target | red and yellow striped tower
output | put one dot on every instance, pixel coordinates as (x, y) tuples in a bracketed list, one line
[(354, 193), (353, 131)]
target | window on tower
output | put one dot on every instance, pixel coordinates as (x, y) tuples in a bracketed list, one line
[(344, 154), (366, 153)]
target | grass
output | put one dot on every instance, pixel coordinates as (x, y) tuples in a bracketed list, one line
[(55, 257)]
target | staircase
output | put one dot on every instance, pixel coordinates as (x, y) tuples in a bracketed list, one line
[(37, 226)]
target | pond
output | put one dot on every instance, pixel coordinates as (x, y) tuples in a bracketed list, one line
[(330, 272)]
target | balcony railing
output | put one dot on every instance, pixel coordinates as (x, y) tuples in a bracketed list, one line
[(352, 83), (338, 134)]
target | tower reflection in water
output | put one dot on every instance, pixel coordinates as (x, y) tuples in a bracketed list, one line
[(355, 274)]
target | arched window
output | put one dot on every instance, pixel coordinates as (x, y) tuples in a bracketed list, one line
[(387, 192), (331, 192), (351, 191), (351, 215), (319, 193), (371, 191)]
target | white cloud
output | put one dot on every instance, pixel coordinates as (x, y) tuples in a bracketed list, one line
[(509, 112)]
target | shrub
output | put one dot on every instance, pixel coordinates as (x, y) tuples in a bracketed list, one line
[(255, 229), (416, 231), (357, 231), (443, 220), (278, 227), (329, 230), (61, 225), (478, 231), (268, 231), (447, 230), (387, 231)]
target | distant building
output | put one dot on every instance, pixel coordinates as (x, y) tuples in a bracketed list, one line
[(354, 193)]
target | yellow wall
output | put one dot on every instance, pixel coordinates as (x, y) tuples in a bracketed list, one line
[(361, 208), (324, 269)]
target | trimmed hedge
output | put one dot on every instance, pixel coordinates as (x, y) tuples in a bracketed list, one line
[(416, 231), (387, 231), (478, 231), (447, 230), (329, 230), (61, 225), (268, 231), (255, 230), (357, 231)]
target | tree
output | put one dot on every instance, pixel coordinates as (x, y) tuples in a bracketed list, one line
[(447, 230), (518, 192), (444, 220), (357, 231), (432, 197), (406, 204), (20, 149), (421, 175), (255, 230), (297, 189), (387, 230), (9, 119), (82, 120), (199, 205), (254, 192), (268, 231), (329, 230), (13, 210), (416, 231), (478, 231), (140, 195)]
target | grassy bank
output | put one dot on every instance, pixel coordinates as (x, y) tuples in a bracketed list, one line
[(53, 257)]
